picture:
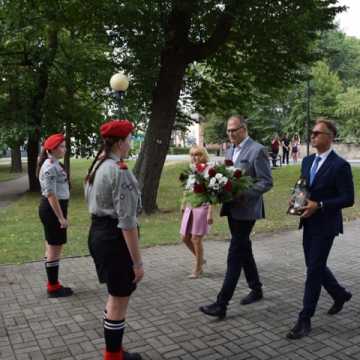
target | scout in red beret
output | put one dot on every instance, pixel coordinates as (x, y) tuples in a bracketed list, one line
[(114, 206), (116, 128), (53, 207), (53, 141)]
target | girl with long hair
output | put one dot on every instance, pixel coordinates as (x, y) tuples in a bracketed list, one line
[(114, 201)]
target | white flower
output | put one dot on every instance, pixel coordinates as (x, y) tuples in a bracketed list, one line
[(212, 182), (218, 176), (190, 182)]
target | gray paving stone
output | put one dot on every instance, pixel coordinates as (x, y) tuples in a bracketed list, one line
[(164, 321)]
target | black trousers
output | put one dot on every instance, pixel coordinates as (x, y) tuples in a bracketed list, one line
[(316, 250), (240, 256), (274, 156), (285, 156)]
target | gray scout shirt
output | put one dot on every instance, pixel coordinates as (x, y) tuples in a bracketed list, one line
[(115, 192), (53, 179)]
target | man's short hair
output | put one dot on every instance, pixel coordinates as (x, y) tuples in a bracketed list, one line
[(328, 123), (242, 119)]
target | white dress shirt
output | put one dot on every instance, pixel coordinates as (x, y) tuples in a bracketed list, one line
[(237, 150), (323, 158)]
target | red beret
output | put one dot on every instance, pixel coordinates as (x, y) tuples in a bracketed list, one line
[(117, 128), (53, 141)]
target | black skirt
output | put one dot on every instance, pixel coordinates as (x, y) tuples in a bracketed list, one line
[(112, 259), (54, 234)]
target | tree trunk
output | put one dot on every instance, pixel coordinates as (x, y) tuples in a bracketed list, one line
[(177, 53), (16, 165), (68, 148), (157, 139), (32, 154), (36, 109)]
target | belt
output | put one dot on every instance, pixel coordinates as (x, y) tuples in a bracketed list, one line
[(105, 217)]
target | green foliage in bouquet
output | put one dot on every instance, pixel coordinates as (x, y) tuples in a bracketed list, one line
[(213, 184)]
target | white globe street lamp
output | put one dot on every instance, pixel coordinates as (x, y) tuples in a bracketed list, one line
[(119, 84)]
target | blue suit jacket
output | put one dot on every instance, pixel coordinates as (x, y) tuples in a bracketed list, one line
[(333, 185)]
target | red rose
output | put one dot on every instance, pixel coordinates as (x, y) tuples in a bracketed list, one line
[(237, 173), (212, 172), (228, 162), (200, 167), (228, 186), (199, 188)]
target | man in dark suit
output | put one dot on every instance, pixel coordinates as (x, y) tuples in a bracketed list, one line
[(331, 189), (242, 214)]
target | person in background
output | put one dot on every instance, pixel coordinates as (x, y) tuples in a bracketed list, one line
[(196, 221), (275, 148), (295, 148), (285, 144)]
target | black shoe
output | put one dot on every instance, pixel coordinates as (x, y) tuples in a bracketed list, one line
[(62, 292), (253, 296), (302, 328), (338, 304), (132, 356), (214, 310)]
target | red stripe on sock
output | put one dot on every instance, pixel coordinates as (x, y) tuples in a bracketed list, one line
[(119, 355), (53, 287)]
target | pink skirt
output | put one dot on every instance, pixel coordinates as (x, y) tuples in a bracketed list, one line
[(194, 221)]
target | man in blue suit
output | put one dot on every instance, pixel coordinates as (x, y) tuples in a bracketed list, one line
[(242, 214), (331, 189)]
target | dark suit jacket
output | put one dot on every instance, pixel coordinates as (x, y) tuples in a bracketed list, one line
[(333, 185)]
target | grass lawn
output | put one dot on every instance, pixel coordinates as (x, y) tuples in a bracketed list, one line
[(6, 175), (21, 232)]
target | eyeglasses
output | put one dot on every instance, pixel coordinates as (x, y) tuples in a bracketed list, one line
[(231, 131), (317, 133)]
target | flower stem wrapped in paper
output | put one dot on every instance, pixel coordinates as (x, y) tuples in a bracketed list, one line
[(213, 184)]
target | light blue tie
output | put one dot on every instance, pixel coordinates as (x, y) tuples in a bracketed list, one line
[(314, 168)]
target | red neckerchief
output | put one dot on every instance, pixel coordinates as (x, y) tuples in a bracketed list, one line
[(122, 165)]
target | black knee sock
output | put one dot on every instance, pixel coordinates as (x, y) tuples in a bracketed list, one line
[(113, 333), (52, 271)]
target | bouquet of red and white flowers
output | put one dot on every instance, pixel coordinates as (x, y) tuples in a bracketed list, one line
[(213, 184)]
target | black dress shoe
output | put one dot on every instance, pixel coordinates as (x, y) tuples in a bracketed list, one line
[(132, 356), (338, 304), (302, 328), (61, 292), (251, 297), (214, 310)]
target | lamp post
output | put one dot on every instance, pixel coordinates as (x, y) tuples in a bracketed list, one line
[(308, 93), (119, 83)]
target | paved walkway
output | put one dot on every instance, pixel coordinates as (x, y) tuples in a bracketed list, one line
[(11, 190), (164, 321)]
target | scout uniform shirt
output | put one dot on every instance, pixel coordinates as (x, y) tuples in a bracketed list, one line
[(115, 192), (53, 179)]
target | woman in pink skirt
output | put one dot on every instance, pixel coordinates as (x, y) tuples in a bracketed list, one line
[(195, 221)]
